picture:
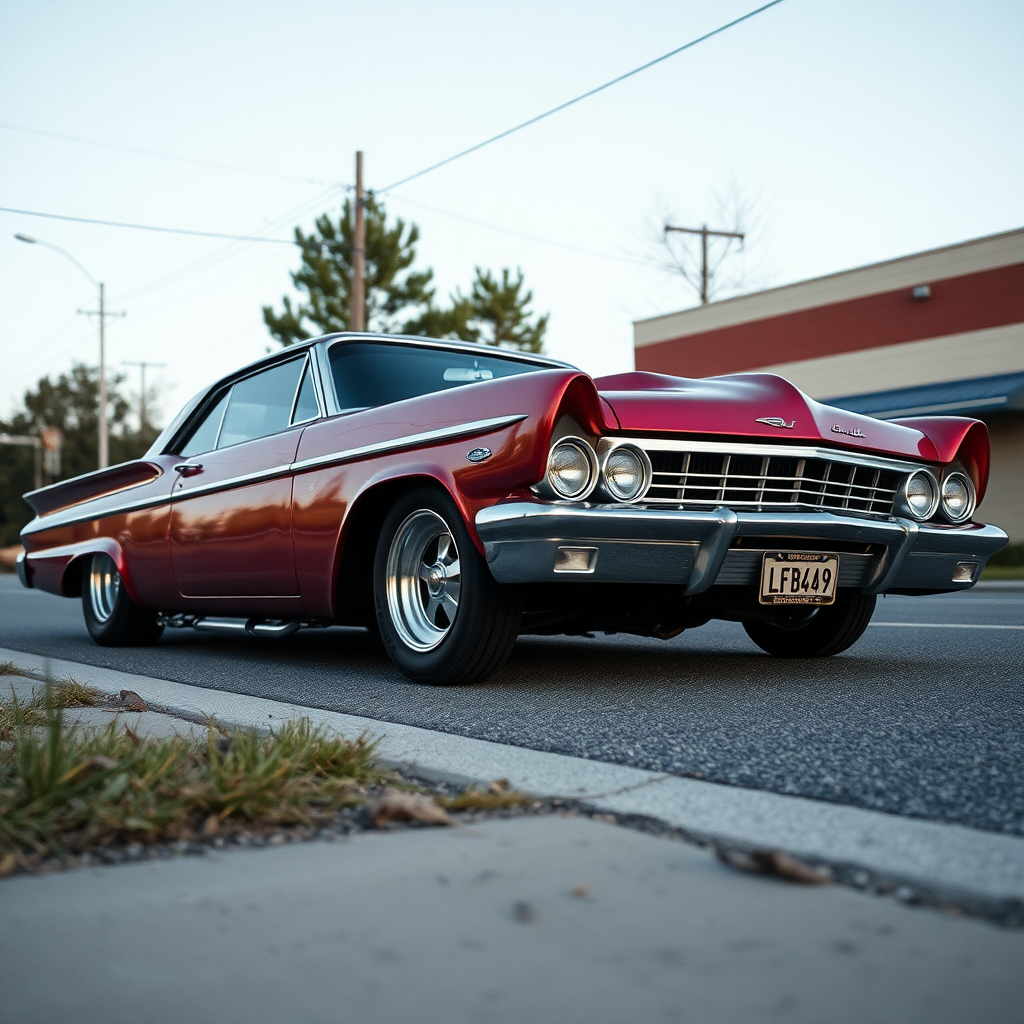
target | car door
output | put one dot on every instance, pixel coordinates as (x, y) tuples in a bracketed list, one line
[(230, 528)]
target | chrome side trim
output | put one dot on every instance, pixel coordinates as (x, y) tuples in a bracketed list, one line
[(793, 451), (408, 441), (80, 515)]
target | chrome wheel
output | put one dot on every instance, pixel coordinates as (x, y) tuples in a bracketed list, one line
[(104, 587), (424, 580)]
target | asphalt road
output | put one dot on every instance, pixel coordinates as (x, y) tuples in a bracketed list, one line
[(923, 717)]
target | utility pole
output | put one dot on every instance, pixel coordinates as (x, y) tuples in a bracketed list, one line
[(357, 313), (142, 364), (104, 446), (704, 232)]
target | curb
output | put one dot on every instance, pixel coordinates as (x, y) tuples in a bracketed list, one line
[(983, 871)]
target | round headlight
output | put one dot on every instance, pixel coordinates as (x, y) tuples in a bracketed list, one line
[(625, 473), (921, 495), (957, 497), (571, 468)]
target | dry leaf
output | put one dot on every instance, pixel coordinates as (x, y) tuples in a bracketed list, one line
[(774, 862), (8, 862), (132, 701), (499, 786), (395, 805), (796, 870)]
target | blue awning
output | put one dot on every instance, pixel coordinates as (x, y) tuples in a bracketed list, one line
[(952, 398)]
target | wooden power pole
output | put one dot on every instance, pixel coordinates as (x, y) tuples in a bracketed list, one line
[(357, 314), (704, 232)]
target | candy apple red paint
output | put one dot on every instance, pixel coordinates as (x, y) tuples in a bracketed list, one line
[(455, 497)]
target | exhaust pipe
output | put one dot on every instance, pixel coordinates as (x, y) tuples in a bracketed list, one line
[(252, 627)]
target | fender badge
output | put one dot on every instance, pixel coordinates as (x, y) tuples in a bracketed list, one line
[(776, 421), (479, 454), (855, 432)]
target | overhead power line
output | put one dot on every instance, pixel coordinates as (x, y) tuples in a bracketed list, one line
[(148, 227), (578, 99), (515, 233), (159, 155)]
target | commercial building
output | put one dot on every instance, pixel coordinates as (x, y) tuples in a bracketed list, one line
[(940, 332)]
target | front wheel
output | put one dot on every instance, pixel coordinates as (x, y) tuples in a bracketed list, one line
[(829, 630), (442, 616), (111, 616)]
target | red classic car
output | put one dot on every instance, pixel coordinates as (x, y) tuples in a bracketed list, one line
[(456, 496)]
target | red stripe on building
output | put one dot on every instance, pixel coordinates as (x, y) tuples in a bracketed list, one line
[(973, 302)]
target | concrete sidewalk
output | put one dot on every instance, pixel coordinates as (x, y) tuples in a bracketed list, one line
[(550, 919), (537, 919)]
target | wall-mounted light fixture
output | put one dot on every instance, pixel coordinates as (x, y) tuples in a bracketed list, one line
[(921, 292)]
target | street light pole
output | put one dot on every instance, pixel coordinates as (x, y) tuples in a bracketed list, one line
[(103, 446)]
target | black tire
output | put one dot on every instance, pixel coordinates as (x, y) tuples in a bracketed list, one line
[(111, 616), (439, 627), (832, 628)]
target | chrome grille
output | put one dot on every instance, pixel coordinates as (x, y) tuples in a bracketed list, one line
[(744, 480)]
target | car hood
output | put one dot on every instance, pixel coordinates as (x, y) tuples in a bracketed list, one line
[(756, 406)]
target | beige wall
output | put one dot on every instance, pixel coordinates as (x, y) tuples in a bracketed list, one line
[(932, 361), (1004, 502)]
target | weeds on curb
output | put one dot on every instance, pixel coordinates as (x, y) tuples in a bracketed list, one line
[(63, 791), (8, 668), (67, 693)]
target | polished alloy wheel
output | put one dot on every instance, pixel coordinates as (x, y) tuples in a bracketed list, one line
[(104, 586), (424, 580)]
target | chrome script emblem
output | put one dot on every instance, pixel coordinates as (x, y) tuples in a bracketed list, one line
[(479, 454), (775, 421), (855, 432)]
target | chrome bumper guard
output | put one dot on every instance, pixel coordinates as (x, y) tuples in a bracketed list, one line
[(531, 542)]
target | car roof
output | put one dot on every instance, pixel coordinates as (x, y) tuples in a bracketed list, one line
[(290, 351)]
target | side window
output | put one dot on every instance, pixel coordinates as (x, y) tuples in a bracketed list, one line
[(306, 407), (204, 437), (261, 404)]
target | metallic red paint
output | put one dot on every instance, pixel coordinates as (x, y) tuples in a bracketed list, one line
[(275, 546)]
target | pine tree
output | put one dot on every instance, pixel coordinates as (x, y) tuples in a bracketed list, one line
[(325, 277), (496, 312)]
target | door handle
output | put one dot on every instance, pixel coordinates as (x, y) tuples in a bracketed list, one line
[(189, 468)]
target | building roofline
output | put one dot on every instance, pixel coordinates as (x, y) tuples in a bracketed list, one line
[(976, 254)]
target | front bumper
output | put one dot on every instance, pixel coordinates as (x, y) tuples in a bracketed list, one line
[(525, 542)]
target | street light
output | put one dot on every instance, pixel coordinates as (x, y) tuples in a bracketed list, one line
[(104, 450)]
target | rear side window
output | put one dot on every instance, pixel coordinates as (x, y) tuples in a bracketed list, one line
[(367, 375), (204, 437), (257, 406), (261, 404)]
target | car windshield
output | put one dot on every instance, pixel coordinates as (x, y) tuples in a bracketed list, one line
[(368, 374)]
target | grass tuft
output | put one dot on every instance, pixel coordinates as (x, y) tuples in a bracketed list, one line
[(8, 668), (63, 791)]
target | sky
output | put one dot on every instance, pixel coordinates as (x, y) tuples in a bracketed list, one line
[(851, 131)]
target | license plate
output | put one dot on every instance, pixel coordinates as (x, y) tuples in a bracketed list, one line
[(799, 577)]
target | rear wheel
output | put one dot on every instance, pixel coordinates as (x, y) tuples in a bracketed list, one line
[(828, 631), (111, 616), (442, 616)]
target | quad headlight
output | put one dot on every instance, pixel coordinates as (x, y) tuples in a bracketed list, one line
[(957, 497), (572, 469), (920, 495), (625, 473)]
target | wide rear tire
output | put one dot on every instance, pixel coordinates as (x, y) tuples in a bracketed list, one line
[(442, 616), (832, 629), (112, 618)]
